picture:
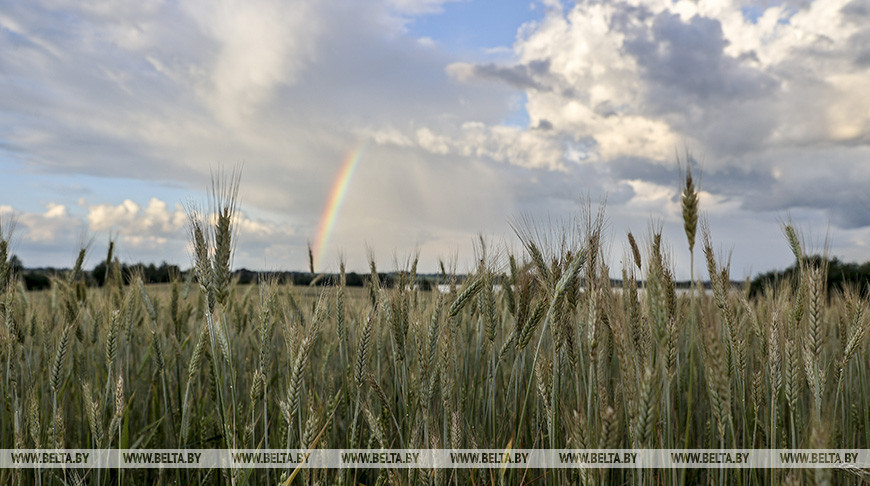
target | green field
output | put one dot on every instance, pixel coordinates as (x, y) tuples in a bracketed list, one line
[(535, 350)]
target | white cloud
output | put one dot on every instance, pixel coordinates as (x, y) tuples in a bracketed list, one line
[(437, 144), (43, 228), (641, 77), (260, 45), (143, 233), (531, 149), (128, 218)]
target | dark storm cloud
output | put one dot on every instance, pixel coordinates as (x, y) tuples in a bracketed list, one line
[(832, 180), (534, 75), (544, 124), (837, 188), (685, 62), (856, 11), (549, 192), (727, 181), (860, 47), (702, 91), (846, 207)]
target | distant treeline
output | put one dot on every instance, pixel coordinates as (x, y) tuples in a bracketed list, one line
[(840, 275), (40, 278), (353, 279)]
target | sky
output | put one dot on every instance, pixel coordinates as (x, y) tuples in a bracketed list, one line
[(405, 127)]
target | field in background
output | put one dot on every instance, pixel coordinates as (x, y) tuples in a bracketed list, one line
[(530, 351), (537, 364)]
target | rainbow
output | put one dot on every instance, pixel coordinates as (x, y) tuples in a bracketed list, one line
[(333, 203)]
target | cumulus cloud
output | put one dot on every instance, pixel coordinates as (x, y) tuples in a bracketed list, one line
[(748, 85), (45, 227), (531, 149), (701, 71), (156, 223), (150, 232), (42, 238), (128, 217)]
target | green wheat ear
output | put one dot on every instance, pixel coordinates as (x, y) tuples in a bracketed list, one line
[(690, 207), (224, 193), (635, 250), (689, 200), (793, 241)]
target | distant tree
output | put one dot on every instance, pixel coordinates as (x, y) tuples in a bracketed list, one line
[(15, 265), (246, 276), (36, 280), (354, 280), (99, 273)]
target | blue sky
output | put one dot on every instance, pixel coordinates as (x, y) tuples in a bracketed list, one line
[(472, 114), (476, 28)]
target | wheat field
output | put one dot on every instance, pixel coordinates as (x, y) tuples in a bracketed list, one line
[(533, 350)]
